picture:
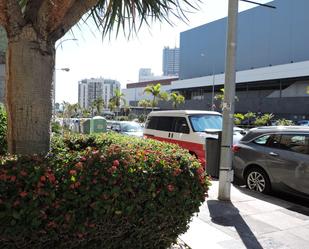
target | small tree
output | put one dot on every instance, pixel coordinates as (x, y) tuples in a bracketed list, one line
[(220, 97), (176, 99), (144, 103), (264, 119), (157, 93), (238, 117), (118, 98), (284, 122), (98, 104), (250, 116)]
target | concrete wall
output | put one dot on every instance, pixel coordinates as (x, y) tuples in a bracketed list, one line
[(265, 37)]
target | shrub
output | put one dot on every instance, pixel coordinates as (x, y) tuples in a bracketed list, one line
[(3, 127), (104, 191), (56, 127), (132, 116), (284, 122)]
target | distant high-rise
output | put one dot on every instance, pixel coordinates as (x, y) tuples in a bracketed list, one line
[(144, 74), (170, 61), (92, 89)]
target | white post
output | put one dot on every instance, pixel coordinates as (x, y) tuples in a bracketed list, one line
[(226, 173)]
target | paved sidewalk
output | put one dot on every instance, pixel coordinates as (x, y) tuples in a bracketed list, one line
[(250, 220)]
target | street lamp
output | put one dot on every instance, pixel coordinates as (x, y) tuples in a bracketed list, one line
[(65, 69)]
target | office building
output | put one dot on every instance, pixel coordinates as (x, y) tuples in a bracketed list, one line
[(94, 88), (170, 61), (144, 74), (272, 61)]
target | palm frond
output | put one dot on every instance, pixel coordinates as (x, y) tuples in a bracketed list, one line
[(129, 15)]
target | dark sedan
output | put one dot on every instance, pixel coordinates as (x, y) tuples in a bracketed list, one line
[(269, 158)]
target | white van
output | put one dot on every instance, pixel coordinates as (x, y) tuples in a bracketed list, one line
[(187, 128)]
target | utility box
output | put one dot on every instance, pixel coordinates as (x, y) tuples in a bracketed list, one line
[(213, 153), (95, 125)]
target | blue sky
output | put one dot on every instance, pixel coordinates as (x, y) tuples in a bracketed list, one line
[(118, 58)]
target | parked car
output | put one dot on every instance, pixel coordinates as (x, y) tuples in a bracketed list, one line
[(128, 128), (187, 128), (303, 122), (274, 158)]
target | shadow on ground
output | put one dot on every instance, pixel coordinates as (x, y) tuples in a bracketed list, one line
[(226, 214), (290, 202)]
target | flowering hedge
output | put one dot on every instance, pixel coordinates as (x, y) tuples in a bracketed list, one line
[(109, 191)]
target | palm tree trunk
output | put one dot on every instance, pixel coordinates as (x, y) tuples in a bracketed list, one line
[(29, 70)]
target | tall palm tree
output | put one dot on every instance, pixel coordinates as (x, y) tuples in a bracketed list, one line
[(176, 99), (98, 104), (33, 27), (118, 98), (157, 94), (111, 106)]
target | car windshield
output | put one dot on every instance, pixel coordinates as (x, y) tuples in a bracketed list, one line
[(203, 122), (131, 127)]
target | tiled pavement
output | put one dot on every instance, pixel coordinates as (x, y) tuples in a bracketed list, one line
[(250, 220)]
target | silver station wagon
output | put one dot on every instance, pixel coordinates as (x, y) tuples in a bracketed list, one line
[(274, 158)]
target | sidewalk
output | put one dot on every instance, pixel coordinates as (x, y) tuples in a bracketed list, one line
[(251, 220)]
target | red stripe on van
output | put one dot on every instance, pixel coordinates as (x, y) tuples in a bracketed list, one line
[(192, 147)]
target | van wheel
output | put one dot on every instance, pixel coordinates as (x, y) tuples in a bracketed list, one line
[(258, 180)]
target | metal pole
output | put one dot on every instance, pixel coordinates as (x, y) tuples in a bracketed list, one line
[(226, 173)]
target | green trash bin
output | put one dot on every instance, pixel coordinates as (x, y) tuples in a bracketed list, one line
[(94, 125), (98, 124), (86, 126)]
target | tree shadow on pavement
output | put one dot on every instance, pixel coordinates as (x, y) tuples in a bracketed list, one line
[(288, 201), (224, 213)]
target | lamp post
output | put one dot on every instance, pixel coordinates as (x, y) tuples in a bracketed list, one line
[(226, 173), (66, 69)]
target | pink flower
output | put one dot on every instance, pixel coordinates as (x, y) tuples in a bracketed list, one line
[(79, 165), (51, 177), (116, 163), (177, 172), (170, 187), (72, 172), (43, 179), (23, 173), (23, 194), (112, 169), (200, 170)]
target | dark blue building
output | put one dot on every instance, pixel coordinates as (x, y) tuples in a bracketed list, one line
[(272, 61)]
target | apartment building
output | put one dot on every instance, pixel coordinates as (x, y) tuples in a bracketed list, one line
[(94, 88)]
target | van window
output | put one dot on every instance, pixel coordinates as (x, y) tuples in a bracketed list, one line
[(152, 123), (202, 122), (165, 123), (181, 125)]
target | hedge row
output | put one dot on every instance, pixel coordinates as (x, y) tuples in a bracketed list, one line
[(108, 191)]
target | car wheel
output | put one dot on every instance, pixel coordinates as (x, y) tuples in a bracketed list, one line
[(257, 180)]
